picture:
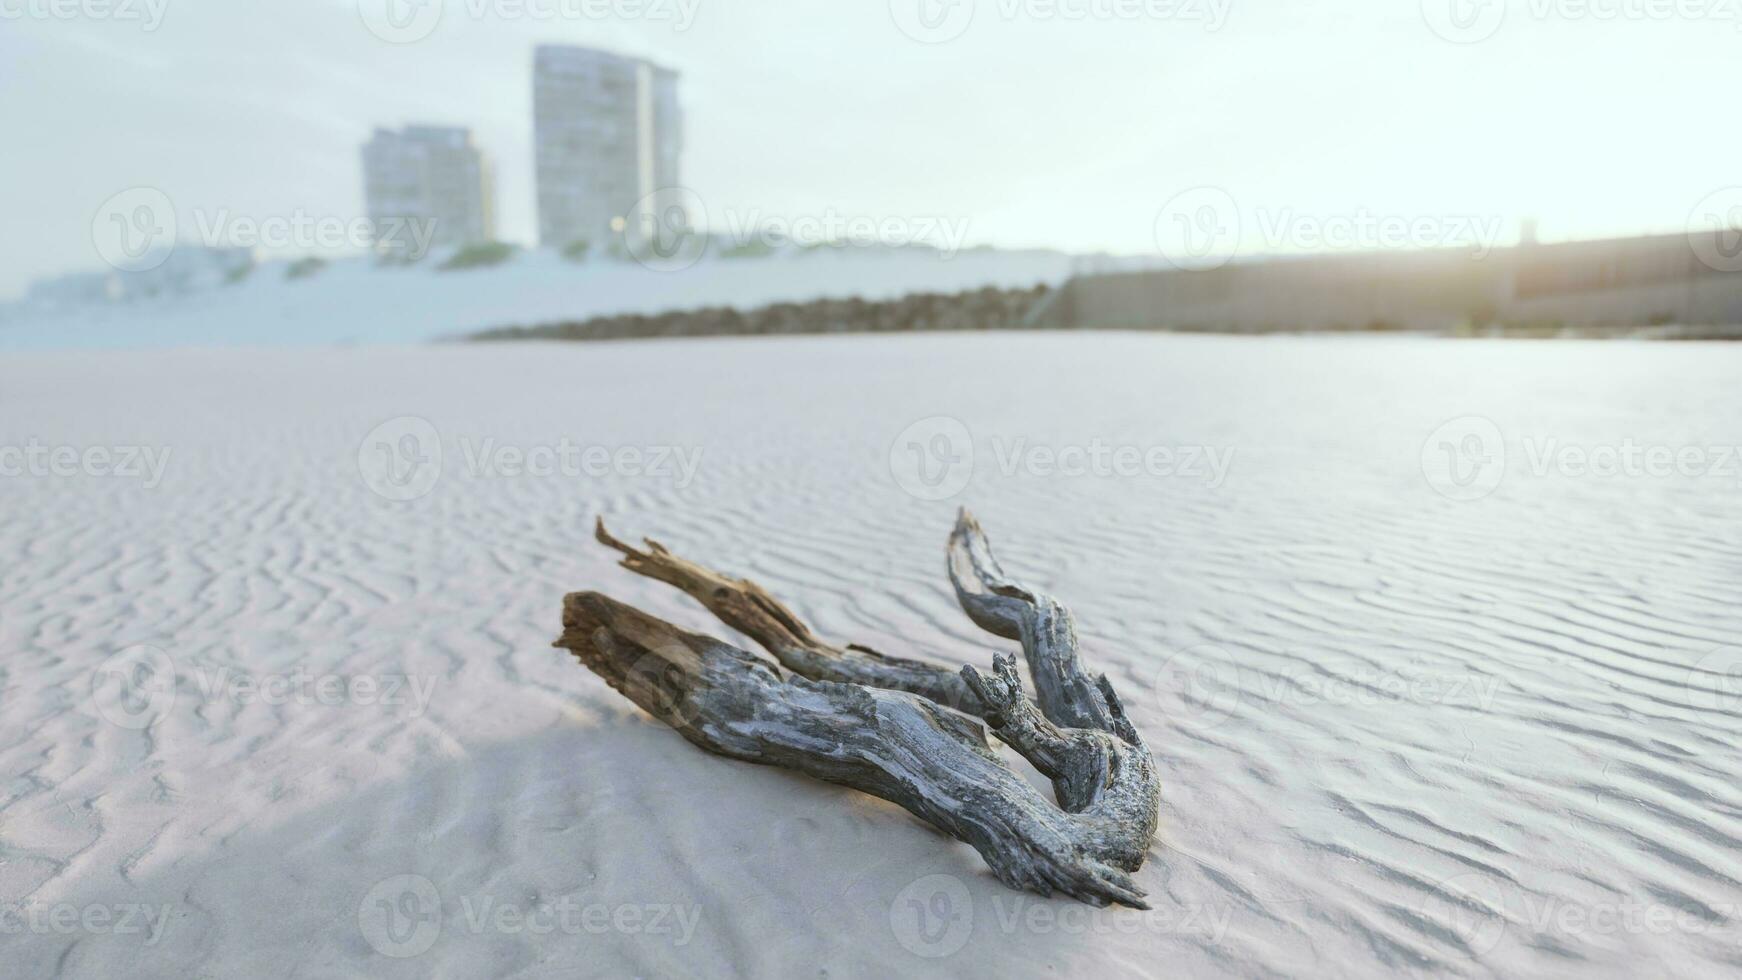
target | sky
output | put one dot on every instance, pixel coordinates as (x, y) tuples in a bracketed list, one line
[(1087, 125)]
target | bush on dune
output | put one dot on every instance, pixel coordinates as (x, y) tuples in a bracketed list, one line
[(304, 268), (479, 256)]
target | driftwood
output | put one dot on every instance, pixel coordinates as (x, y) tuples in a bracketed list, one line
[(903, 730)]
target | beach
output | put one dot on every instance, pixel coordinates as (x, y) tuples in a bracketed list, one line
[(1437, 644)]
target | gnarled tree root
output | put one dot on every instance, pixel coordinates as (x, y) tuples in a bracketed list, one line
[(902, 730)]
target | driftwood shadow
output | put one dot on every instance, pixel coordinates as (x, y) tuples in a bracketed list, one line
[(669, 862)]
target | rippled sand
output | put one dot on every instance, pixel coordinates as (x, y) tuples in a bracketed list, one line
[(1399, 730)]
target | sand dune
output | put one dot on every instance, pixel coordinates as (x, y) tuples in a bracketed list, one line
[(355, 301), (290, 710)]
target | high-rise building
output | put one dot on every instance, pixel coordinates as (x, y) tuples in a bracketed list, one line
[(427, 182), (609, 136)]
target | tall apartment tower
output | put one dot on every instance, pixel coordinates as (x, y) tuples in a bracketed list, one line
[(428, 174), (609, 136)]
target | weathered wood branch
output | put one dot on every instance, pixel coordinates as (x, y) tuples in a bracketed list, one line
[(1091, 771), (749, 609), (894, 745), (1004, 608), (1067, 696), (857, 723)]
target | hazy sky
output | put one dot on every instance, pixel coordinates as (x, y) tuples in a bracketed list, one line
[(1067, 123)]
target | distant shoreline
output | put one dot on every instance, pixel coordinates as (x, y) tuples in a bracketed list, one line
[(995, 309)]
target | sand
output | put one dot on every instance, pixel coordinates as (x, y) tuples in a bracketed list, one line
[(287, 708)]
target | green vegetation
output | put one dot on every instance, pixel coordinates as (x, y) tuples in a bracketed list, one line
[(398, 258), (480, 256), (755, 248), (304, 268)]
